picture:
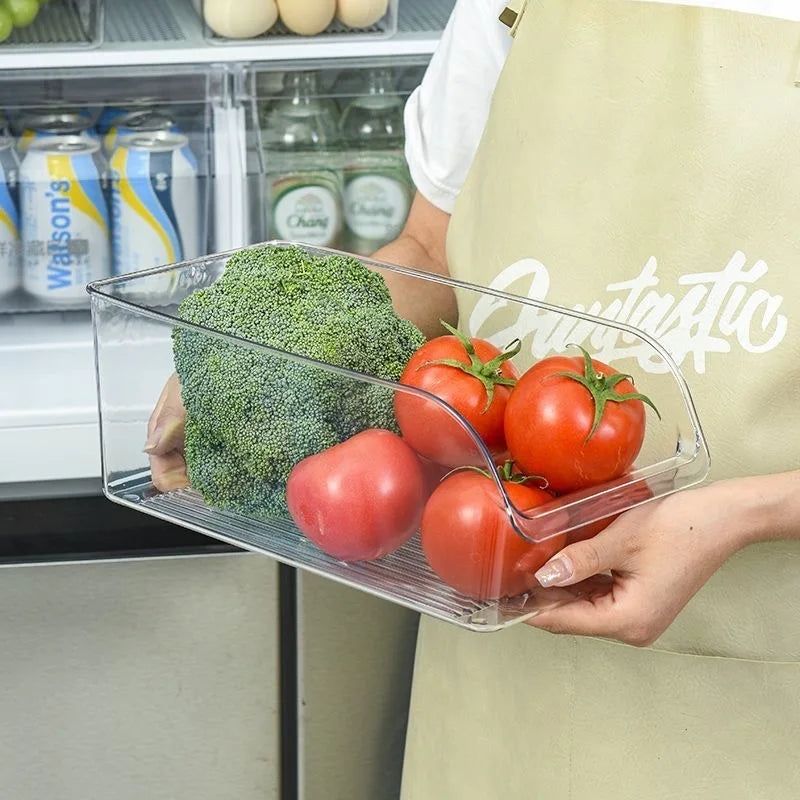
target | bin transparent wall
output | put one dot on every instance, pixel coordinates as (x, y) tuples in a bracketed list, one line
[(75, 103), (242, 32), (136, 317), (60, 24)]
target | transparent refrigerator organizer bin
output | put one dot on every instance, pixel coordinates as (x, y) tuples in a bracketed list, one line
[(60, 24), (90, 198), (374, 27), (133, 319)]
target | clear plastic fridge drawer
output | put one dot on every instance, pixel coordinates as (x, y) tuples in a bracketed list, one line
[(136, 322)]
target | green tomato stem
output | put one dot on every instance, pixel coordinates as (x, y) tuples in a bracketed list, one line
[(506, 473), (487, 372), (602, 388)]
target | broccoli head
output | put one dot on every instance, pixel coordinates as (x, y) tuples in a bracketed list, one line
[(252, 416)]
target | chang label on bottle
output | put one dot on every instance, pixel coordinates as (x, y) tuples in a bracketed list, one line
[(376, 206), (307, 208)]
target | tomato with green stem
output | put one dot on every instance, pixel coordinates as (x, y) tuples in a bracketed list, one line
[(469, 540), (472, 376), (576, 421)]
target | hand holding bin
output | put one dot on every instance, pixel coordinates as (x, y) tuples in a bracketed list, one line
[(486, 528)]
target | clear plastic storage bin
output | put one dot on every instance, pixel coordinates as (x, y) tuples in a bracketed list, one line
[(300, 131), (104, 177), (136, 320), (227, 22), (60, 24)]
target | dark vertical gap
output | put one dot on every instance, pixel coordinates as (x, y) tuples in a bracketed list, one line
[(287, 606)]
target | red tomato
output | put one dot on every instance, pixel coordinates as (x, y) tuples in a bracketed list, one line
[(434, 474), (576, 432), (478, 390), (361, 499), (470, 544)]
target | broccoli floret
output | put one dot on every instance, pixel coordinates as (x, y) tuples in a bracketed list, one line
[(251, 416)]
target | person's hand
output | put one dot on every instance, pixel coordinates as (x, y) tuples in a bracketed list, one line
[(165, 437), (658, 555)]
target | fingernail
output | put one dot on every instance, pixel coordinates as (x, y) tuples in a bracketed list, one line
[(152, 440), (555, 572)]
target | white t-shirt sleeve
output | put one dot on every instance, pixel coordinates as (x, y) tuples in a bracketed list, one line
[(445, 116)]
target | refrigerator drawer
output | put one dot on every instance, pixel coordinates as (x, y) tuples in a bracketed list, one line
[(106, 175)]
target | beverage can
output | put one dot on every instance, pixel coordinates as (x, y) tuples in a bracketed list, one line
[(9, 217), (145, 120), (64, 218), (54, 123), (155, 203), (120, 108), (17, 116)]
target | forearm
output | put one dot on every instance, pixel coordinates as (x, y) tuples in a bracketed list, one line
[(767, 507), (421, 246)]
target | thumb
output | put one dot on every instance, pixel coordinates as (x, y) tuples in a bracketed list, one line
[(168, 433), (581, 560), (165, 429)]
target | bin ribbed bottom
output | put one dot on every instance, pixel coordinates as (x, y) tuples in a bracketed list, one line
[(403, 576)]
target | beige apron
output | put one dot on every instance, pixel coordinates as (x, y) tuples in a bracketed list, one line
[(641, 161)]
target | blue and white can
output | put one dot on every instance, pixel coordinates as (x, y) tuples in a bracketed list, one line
[(9, 217), (17, 116), (155, 202), (65, 219), (55, 123), (112, 113), (142, 121)]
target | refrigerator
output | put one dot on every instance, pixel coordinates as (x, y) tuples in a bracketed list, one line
[(141, 659)]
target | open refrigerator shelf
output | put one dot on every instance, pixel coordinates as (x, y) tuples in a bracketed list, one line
[(171, 32), (65, 24)]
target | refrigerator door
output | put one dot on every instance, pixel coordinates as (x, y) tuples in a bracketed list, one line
[(145, 679), (355, 658), (222, 677)]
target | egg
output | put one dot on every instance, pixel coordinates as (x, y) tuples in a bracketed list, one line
[(307, 17), (240, 19), (361, 13)]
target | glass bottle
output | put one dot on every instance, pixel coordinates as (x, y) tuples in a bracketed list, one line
[(377, 185), (304, 182)]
